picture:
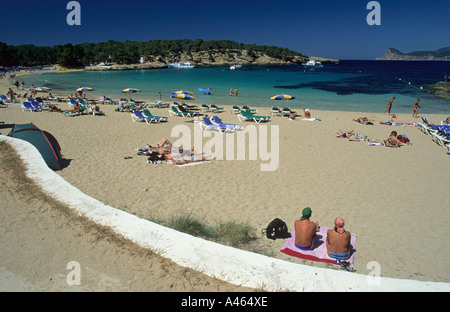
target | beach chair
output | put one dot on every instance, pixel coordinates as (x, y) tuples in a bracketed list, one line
[(188, 106), (138, 116), (441, 136), (286, 111), (216, 109), (93, 112), (28, 106), (235, 109), (251, 110), (147, 113), (275, 111), (36, 105), (206, 124), (83, 102), (175, 112), (186, 109), (6, 100), (72, 102), (205, 108), (246, 115), (218, 121)]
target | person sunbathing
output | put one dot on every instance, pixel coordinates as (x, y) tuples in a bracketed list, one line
[(164, 144), (305, 231), (363, 120), (338, 241), (393, 121), (54, 108), (292, 116), (392, 141), (345, 134)]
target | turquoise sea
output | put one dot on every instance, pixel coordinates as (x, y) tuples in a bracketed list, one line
[(348, 86)]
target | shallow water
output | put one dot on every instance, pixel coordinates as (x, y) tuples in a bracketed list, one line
[(347, 86)]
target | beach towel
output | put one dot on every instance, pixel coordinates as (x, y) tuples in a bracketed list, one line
[(375, 143), (404, 124), (319, 253)]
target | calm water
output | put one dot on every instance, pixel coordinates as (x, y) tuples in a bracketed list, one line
[(347, 86)]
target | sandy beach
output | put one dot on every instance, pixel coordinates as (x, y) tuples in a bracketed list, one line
[(394, 199)]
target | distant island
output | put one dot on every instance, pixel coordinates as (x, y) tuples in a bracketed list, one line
[(395, 55), (150, 54)]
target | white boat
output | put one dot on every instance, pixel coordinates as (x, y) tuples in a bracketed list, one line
[(235, 66), (312, 64), (181, 65)]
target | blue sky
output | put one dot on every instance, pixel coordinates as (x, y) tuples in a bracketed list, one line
[(330, 28)]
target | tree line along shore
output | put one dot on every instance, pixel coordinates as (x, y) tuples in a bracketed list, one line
[(155, 53)]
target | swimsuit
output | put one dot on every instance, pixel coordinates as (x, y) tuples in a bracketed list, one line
[(339, 256), (303, 248)]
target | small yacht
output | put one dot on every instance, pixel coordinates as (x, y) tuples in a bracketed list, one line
[(312, 64), (235, 66), (181, 65)]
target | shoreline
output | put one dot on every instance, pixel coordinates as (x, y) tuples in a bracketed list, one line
[(330, 175)]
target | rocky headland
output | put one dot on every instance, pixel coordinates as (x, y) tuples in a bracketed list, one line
[(395, 55)]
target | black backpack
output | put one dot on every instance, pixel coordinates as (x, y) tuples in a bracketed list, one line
[(276, 229)]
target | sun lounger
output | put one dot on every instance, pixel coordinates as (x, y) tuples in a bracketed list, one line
[(216, 109), (138, 116), (205, 108), (6, 100), (441, 136), (275, 111), (36, 105), (252, 110), (286, 111), (218, 121), (235, 109), (174, 111), (28, 106), (147, 113), (246, 115), (206, 124)]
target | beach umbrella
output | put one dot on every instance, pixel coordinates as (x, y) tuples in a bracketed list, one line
[(182, 96), (183, 92), (81, 89), (130, 90), (39, 89), (282, 97)]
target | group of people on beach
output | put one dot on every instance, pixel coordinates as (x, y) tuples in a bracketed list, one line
[(415, 107), (338, 240)]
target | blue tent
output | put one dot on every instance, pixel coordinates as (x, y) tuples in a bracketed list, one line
[(44, 142)]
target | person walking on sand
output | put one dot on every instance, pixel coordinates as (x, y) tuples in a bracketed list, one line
[(416, 108), (389, 106), (305, 231)]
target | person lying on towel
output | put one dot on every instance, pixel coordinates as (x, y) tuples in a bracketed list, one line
[(305, 231), (338, 241)]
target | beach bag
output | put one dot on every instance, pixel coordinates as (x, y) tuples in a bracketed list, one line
[(277, 228)]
